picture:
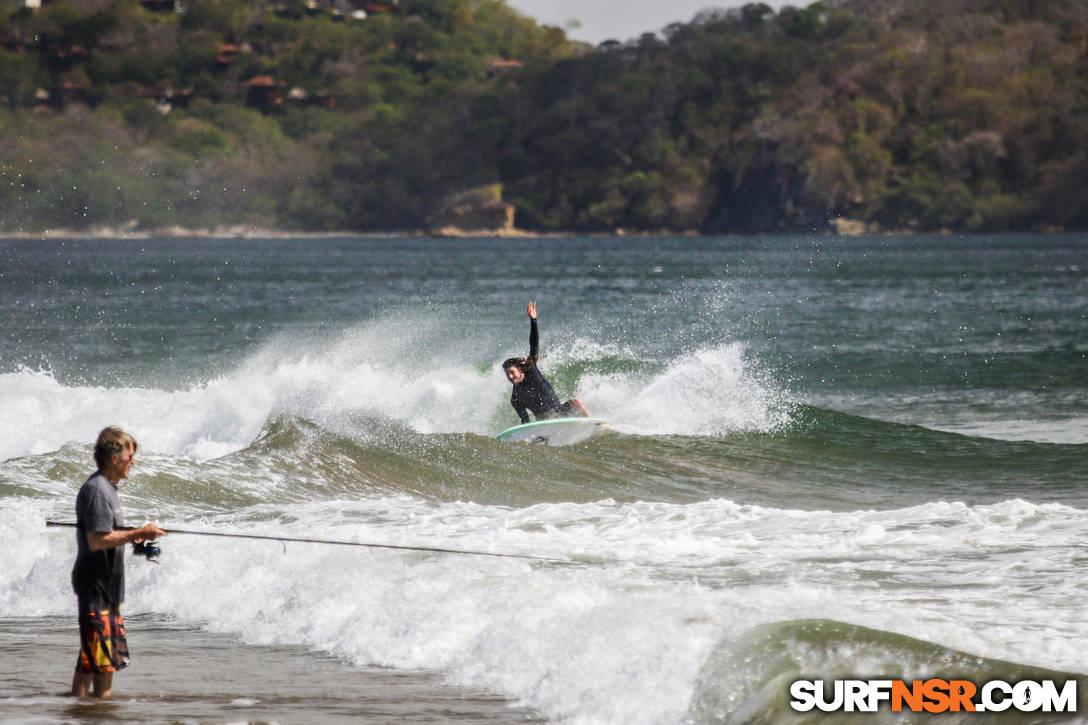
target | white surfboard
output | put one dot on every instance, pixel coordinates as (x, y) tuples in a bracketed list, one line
[(554, 431)]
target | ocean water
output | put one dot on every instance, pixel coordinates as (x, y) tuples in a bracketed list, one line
[(827, 457)]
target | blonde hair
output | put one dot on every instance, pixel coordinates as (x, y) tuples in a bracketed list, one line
[(111, 441)]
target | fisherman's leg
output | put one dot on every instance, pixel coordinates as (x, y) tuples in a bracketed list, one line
[(81, 683), (103, 684), (103, 650), (83, 677)]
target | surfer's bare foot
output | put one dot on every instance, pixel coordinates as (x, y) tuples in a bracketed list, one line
[(580, 407)]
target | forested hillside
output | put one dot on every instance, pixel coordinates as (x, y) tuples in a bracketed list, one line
[(342, 115)]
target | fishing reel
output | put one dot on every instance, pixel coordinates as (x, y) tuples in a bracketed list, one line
[(147, 549)]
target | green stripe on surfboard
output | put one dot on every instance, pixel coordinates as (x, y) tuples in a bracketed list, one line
[(542, 427)]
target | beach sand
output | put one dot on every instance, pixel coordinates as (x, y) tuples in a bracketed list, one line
[(184, 675)]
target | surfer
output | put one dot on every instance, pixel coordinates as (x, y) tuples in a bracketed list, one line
[(532, 392), (98, 576)]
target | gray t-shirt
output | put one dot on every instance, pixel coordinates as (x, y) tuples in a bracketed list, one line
[(98, 575)]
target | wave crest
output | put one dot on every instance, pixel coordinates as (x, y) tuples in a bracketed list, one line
[(413, 380)]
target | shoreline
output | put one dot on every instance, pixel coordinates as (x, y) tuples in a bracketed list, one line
[(250, 232), (176, 232), (180, 673), (244, 231)]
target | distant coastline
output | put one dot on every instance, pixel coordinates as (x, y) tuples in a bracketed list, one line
[(243, 231), (242, 120), (178, 232)]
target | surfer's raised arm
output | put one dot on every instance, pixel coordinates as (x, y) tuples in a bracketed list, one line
[(531, 391), (534, 333)]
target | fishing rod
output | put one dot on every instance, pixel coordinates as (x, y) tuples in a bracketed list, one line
[(152, 551)]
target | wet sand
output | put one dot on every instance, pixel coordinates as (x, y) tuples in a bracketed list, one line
[(182, 675)]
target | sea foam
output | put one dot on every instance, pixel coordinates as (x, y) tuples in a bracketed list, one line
[(618, 640)]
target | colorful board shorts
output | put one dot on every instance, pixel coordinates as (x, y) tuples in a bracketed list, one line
[(103, 647)]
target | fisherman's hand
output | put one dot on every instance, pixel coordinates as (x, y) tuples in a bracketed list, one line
[(531, 309), (148, 532)]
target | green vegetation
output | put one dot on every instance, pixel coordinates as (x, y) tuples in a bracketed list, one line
[(970, 115)]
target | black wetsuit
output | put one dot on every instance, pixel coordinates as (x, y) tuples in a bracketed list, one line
[(534, 394)]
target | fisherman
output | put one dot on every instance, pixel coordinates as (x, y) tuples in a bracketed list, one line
[(98, 576), (532, 392)]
